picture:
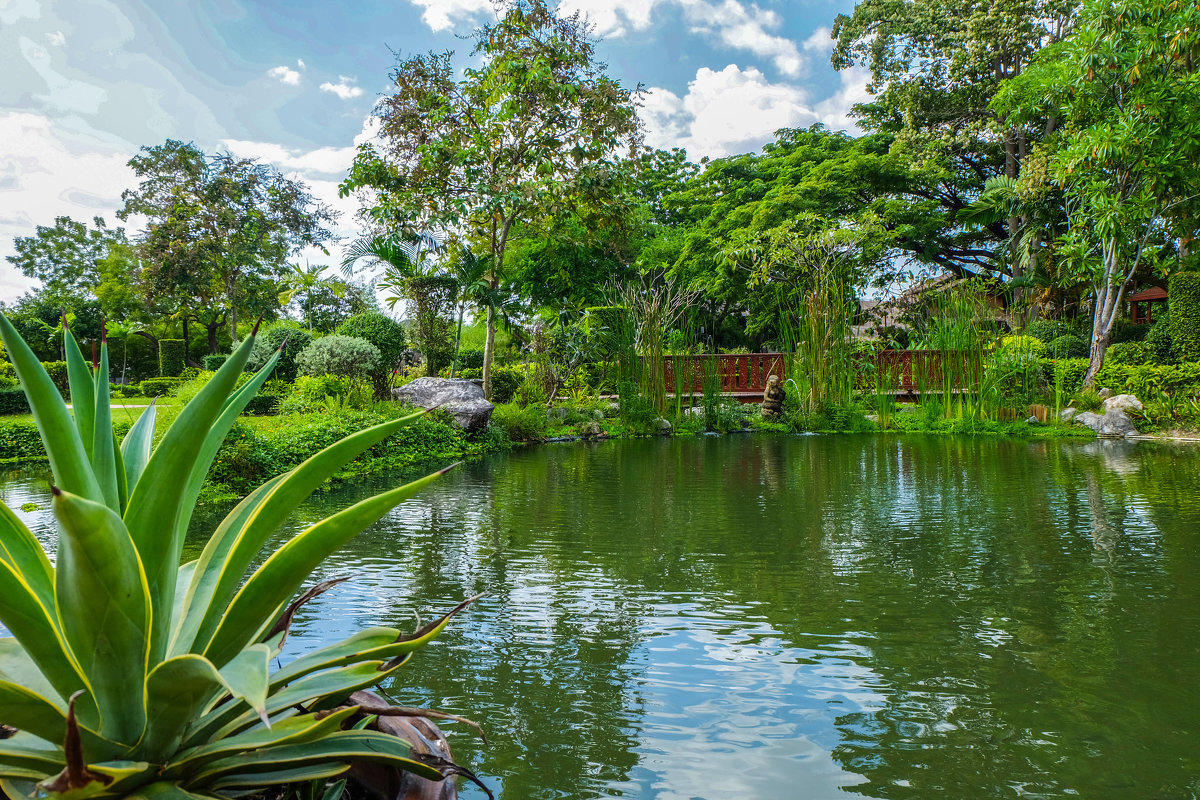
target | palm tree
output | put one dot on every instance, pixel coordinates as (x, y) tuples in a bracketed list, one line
[(305, 281)]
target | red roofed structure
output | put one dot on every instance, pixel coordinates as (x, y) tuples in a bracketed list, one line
[(1146, 297)]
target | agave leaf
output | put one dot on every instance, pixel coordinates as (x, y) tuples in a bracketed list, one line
[(296, 730), (182, 582), (156, 502), (36, 627), (251, 780), (68, 459), (344, 652), (38, 716), (168, 790), (342, 747), (137, 444), (177, 692), (122, 478), (282, 573), (30, 753), (83, 389), (241, 536), (17, 667), (248, 676), (104, 605), (103, 453), (21, 550)]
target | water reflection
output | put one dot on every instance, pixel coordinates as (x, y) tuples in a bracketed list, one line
[(796, 616)]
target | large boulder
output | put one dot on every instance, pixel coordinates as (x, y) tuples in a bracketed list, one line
[(1110, 424), (1123, 402), (463, 400)]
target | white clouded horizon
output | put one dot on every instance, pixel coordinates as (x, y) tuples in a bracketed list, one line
[(344, 88)]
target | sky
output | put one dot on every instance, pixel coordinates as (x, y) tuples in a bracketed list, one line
[(85, 83)]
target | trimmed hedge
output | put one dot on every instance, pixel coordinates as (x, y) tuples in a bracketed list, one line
[(171, 354), (156, 387), (1048, 330), (1184, 304), (13, 401), (263, 405), (1068, 346), (213, 362), (388, 336), (1146, 381)]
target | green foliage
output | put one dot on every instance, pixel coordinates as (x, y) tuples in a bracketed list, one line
[(1184, 303), (347, 356), (1065, 374), (505, 382), (12, 401), (387, 335), (310, 392), (521, 423), (57, 370), (213, 361), (1048, 330), (1021, 345), (132, 676), (1087, 399), (170, 358), (1160, 341), (1068, 346), (1150, 380), (157, 387), (1134, 353)]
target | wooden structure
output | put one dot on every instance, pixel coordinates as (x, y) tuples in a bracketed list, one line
[(743, 376), (1148, 298)]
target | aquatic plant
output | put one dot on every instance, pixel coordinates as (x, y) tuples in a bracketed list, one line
[(130, 675)]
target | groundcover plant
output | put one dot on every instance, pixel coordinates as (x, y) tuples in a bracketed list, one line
[(128, 674)]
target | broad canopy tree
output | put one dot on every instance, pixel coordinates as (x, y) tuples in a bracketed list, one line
[(537, 126)]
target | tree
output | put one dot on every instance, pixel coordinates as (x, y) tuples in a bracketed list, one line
[(1127, 155), (536, 126), (387, 335), (220, 231), (66, 257)]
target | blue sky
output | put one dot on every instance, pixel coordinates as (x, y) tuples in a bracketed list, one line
[(85, 83)]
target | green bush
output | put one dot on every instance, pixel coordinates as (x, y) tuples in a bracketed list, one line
[(469, 359), (1065, 373), (505, 382), (1148, 380), (157, 387), (170, 358), (309, 393), (1159, 340), (1047, 330), (263, 404), (1125, 331), (286, 334), (526, 424), (13, 401), (213, 361), (388, 336), (1068, 346), (57, 370), (1184, 305), (348, 356), (123, 391), (1129, 353), (1023, 345)]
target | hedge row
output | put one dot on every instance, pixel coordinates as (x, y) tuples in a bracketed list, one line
[(1184, 306), (1148, 380)]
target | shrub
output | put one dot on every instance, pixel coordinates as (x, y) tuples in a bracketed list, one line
[(1047, 330), (348, 356), (213, 361), (1087, 400), (57, 370), (1027, 345), (157, 387), (127, 390), (387, 335), (1064, 374), (1129, 353), (1125, 331), (263, 404), (505, 381), (1148, 380), (1068, 346), (469, 359), (1184, 302), (171, 683), (310, 391), (526, 424), (13, 401), (170, 358), (291, 337), (1159, 340)]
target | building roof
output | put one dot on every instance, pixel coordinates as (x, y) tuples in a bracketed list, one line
[(1153, 293)]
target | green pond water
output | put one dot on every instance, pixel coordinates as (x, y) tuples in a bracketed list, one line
[(794, 617)]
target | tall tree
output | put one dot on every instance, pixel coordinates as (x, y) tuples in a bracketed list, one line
[(537, 125), (220, 230), (67, 256)]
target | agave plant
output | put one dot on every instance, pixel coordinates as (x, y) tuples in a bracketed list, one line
[(130, 675)]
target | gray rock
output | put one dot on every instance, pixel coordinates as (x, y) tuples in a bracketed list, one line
[(1033, 420), (872, 417), (694, 411), (1111, 424), (592, 430), (463, 400), (1068, 414), (1123, 402), (1104, 394), (661, 426), (557, 414)]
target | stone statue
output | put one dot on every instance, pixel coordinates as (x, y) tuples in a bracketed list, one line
[(772, 404)]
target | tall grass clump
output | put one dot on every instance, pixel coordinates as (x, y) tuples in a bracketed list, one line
[(819, 348), (654, 305), (957, 325)]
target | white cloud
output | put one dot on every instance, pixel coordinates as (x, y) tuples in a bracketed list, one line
[(344, 88), (834, 111), (57, 38), (285, 75), (43, 174), (819, 41), (745, 27), (323, 160), (725, 112), (612, 17), (443, 15)]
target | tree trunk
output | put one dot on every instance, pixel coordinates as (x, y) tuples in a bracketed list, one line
[(457, 342), (489, 348), (212, 336), (1108, 305)]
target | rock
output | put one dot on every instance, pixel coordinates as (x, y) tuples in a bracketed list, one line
[(463, 400), (908, 408), (872, 417), (1123, 402), (557, 414), (598, 415), (1033, 420), (1112, 423), (592, 430), (1104, 394), (661, 426), (694, 411), (1067, 414)]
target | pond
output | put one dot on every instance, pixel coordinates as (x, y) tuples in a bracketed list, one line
[(791, 616)]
